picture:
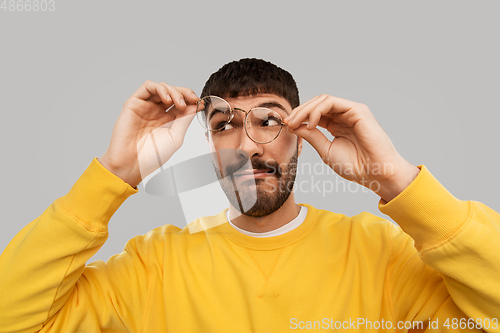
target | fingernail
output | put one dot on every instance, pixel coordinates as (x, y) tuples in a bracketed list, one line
[(182, 102), (194, 94), (168, 98)]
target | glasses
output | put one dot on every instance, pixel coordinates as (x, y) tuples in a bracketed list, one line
[(262, 125)]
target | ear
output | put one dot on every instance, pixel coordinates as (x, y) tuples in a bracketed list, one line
[(206, 135), (300, 141)]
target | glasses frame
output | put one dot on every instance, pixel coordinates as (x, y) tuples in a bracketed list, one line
[(231, 115)]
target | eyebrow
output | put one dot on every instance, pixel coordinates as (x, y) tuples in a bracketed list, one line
[(270, 105), (212, 114)]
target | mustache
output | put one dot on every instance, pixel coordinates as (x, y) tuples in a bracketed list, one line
[(259, 164)]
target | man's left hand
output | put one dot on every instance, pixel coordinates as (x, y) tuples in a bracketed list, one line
[(361, 151)]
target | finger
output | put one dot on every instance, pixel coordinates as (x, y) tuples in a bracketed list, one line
[(164, 105), (155, 99), (348, 112), (303, 114), (182, 121), (298, 108), (342, 110), (314, 117), (188, 111), (189, 95), (341, 105), (154, 92), (335, 129), (176, 96), (144, 91), (151, 91), (161, 96), (321, 111), (317, 139)]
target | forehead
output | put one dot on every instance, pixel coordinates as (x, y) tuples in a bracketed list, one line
[(249, 102)]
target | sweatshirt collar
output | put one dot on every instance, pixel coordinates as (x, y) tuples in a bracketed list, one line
[(266, 243)]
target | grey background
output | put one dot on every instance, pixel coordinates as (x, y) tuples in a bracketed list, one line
[(429, 71)]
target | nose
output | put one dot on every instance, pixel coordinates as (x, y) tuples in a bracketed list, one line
[(248, 145)]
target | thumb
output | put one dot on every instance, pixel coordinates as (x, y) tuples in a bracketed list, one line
[(181, 123), (314, 136)]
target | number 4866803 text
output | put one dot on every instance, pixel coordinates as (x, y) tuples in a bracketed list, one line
[(28, 5)]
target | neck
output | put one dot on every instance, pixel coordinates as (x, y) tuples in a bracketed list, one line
[(273, 221)]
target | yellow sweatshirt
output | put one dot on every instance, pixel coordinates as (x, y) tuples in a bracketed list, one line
[(332, 272)]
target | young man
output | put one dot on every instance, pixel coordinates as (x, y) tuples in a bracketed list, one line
[(266, 264)]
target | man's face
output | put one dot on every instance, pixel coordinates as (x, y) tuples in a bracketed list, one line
[(266, 181)]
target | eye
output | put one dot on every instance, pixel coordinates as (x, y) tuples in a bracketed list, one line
[(271, 121), (224, 126)]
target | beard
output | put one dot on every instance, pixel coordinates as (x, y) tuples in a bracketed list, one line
[(249, 196)]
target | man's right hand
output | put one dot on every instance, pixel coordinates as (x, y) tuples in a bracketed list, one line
[(145, 136)]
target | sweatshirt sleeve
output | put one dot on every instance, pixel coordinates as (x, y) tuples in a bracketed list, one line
[(44, 282), (453, 273)]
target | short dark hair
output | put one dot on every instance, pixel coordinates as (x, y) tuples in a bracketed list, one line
[(250, 76)]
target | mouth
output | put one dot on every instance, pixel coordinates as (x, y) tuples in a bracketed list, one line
[(254, 173)]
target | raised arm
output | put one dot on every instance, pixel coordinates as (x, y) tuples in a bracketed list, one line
[(458, 241), (44, 281)]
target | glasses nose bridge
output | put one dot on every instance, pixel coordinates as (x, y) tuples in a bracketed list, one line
[(244, 111), (245, 119)]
